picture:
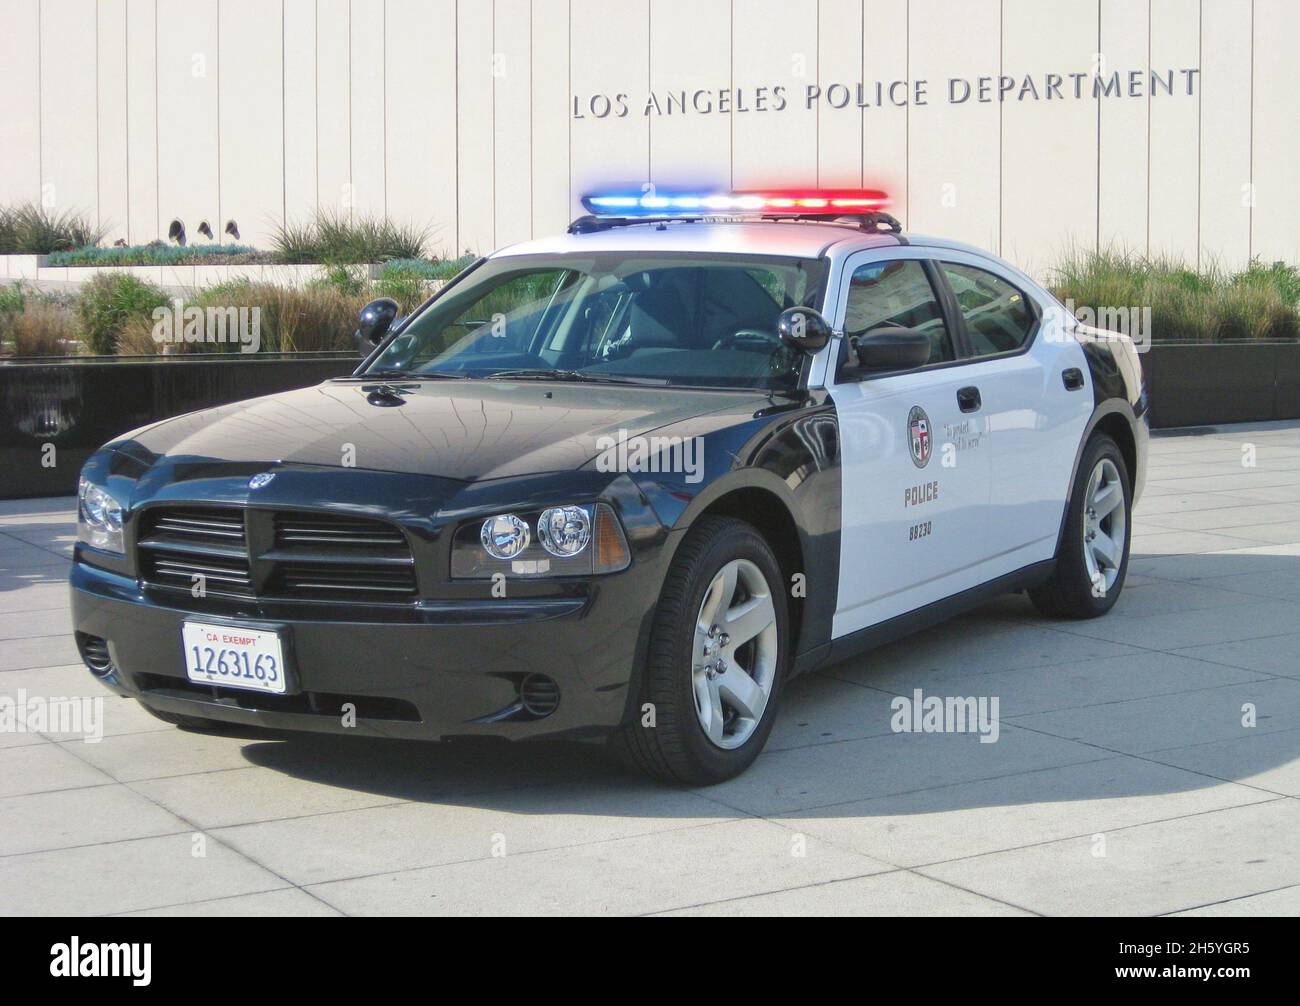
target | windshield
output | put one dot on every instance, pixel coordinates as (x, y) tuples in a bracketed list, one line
[(692, 320)]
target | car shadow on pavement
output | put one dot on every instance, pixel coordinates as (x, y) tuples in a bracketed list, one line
[(1085, 711)]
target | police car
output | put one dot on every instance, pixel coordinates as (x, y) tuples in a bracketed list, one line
[(621, 484)]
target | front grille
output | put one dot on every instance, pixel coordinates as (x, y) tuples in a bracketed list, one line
[(332, 531), (329, 557), (297, 579), (185, 549), (303, 555)]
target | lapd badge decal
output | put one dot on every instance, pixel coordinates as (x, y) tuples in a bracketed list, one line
[(918, 436)]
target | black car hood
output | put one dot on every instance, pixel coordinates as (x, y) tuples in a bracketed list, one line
[(465, 430)]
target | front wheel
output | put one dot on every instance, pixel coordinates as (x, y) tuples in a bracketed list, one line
[(717, 659), (1092, 559)]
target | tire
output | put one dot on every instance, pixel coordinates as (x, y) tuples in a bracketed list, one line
[(1070, 593), (191, 723), (680, 677)]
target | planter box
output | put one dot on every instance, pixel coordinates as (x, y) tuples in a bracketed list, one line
[(54, 415), (21, 266), (36, 269), (1204, 385)]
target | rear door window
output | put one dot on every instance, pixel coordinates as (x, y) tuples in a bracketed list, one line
[(998, 316)]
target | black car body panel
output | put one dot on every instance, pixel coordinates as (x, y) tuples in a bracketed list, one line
[(450, 660)]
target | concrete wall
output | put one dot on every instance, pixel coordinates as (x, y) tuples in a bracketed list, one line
[(460, 114)]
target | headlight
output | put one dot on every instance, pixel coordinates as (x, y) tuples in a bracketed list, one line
[(564, 530), (557, 541), (504, 536), (99, 518)]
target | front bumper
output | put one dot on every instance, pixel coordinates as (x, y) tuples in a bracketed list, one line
[(445, 669)]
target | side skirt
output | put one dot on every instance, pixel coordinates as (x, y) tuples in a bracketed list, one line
[(873, 636)]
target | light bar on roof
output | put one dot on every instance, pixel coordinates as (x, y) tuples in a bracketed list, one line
[(758, 203)]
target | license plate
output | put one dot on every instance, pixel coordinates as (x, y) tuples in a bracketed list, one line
[(234, 657)]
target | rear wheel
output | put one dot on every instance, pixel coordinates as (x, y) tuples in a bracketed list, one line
[(717, 659), (1092, 559)]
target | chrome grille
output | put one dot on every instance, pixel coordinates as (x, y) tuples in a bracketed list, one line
[(303, 555), (339, 581), (329, 530), (334, 557), (177, 546)]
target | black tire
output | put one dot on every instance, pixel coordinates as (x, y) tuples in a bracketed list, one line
[(1070, 592), (191, 723), (677, 749)]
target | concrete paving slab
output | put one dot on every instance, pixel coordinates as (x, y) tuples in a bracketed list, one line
[(1278, 654), (831, 774), (1065, 686), (79, 817), (126, 876), (636, 875), (407, 836), (1283, 904), (43, 768), (270, 904), (1264, 761), (959, 821), (899, 893), (1149, 869), (1179, 629), (1180, 719)]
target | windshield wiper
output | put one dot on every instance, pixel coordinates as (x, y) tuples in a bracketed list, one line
[(411, 375), (580, 376)]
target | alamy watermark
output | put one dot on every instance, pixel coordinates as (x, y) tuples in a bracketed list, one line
[(632, 453), (36, 714), (175, 323), (952, 714), (75, 959), (1103, 324)]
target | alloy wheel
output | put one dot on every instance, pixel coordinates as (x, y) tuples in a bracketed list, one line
[(734, 656)]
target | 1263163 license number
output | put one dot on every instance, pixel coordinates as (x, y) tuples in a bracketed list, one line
[(234, 657)]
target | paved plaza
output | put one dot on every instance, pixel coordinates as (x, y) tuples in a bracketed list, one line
[(1146, 763)]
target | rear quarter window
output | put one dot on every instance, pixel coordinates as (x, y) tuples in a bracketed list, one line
[(998, 315)]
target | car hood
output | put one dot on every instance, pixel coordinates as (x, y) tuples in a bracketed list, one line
[(465, 430)]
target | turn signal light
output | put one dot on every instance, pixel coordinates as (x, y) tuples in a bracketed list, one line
[(611, 547)]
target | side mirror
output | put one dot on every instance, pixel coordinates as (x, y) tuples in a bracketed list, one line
[(803, 329), (892, 349), (377, 318)]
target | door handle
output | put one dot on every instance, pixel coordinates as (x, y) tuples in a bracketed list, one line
[(968, 399), (1072, 379)]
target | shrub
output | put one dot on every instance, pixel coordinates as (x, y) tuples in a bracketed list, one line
[(30, 229), (109, 303), (347, 280), (13, 297), (1279, 276), (318, 319), (337, 238), (158, 253), (1261, 303), (43, 328)]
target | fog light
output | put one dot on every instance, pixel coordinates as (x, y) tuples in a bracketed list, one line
[(94, 652)]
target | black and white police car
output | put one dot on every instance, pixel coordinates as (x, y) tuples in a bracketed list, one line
[(621, 484)]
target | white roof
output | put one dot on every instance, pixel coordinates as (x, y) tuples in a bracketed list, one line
[(787, 238), (797, 239)]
